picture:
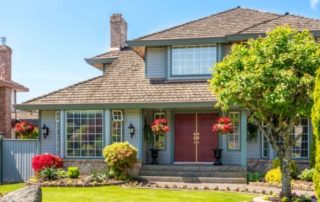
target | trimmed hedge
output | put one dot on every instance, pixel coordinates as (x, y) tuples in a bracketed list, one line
[(316, 130)]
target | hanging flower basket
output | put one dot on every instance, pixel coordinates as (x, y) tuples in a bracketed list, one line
[(25, 129), (160, 127), (223, 125)]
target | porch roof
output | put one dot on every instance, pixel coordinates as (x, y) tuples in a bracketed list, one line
[(124, 83)]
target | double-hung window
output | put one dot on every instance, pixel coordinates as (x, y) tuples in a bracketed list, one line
[(193, 60), (84, 133), (265, 147), (117, 121), (234, 137)]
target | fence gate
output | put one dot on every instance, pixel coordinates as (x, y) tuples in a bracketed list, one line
[(15, 159)]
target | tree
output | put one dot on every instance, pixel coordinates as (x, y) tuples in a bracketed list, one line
[(316, 130), (273, 78)]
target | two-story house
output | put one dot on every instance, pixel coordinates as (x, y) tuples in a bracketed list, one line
[(163, 74)]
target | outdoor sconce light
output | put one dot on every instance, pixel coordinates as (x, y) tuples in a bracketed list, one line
[(131, 130), (45, 131)]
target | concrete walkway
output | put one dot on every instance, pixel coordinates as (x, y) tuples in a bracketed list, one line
[(232, 187)]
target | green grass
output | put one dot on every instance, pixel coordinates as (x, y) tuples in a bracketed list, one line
[(117, 193), (10, 187)]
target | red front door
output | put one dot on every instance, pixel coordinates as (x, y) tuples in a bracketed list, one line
[(208, 140), (187, 127)]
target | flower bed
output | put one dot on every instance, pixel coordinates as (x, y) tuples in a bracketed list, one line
[(82, 181), (296, 185)]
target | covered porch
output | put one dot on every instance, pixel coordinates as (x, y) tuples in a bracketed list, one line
[(190, 140)]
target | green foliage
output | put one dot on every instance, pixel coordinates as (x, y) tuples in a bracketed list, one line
[(316, 130), (48, 174), (306, 174), (99, 175), (73, 172), (255, 176), (273, 77), (62, 173), (119, 158), (294, 171), (312, 160), (273, 175), (285, 199)]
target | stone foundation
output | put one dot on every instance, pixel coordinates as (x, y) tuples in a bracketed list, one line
[(86, 166), (263, 165)]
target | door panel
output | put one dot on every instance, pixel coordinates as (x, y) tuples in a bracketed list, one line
[(208, 140), (184, 148)]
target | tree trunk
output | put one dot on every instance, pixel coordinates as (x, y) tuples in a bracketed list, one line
[(285, 161)]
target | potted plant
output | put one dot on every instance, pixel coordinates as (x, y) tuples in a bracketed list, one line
[(158, 127), (223, 125)]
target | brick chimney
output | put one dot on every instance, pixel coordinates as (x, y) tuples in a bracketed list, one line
[(118, 29), (5, 92)]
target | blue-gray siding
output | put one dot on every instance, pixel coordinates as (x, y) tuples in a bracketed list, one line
[(156, 63), (48, 144), (134, 116), (17, 158)]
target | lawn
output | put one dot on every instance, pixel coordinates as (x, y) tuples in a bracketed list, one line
[(117, 193)]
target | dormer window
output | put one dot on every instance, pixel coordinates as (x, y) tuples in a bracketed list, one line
[(193, 60)]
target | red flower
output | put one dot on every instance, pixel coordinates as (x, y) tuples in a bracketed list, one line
[(24, 127), (159, 127), (42, 161), (223, 125)]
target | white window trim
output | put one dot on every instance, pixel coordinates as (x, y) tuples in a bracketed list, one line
[(262, 147), (113, 115), (235, 149), (192, 46)]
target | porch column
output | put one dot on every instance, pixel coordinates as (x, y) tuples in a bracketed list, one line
[(107, 126), (243, 141), (62, 133)]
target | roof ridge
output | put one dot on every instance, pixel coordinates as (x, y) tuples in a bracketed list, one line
[(260, 23), (60, 89), (186, 23)]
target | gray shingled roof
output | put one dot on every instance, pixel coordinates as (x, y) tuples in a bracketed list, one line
[(125, 82), (230, 22)]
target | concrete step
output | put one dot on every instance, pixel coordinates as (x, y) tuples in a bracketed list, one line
[(194, 168), (195, 179), (193, 174)]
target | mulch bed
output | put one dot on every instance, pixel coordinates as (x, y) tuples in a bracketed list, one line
[(296, 185)]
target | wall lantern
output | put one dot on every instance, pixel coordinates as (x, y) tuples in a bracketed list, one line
[(45, 131), (131, 130)]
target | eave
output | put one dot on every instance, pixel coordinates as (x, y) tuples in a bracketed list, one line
[(99, 62)]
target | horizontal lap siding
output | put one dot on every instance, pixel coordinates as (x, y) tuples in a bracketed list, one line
[(48, 144), (229, 157), (156, 63), (254, 148), (133, 116)]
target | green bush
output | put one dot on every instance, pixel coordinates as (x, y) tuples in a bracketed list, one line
[(316, 130), (273, 175), (49, 174), (119, 158), (254, 176), (306, 174), (293, 167), (62, 173), (73, 172), (98, 175)]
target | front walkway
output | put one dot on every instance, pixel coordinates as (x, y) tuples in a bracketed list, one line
[(232, 187)]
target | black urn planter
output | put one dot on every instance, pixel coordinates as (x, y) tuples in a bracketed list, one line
[(217, 153), (154, 155)]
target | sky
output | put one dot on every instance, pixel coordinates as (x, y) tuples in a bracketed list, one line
[(51, 38)]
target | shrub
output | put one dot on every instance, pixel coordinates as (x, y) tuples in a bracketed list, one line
[(73, 172), (49, 174), (254, 176), (98, 175), (293, 167), (119, 158), (62, 173), (273, 175), (43, 161), (306, 174)]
